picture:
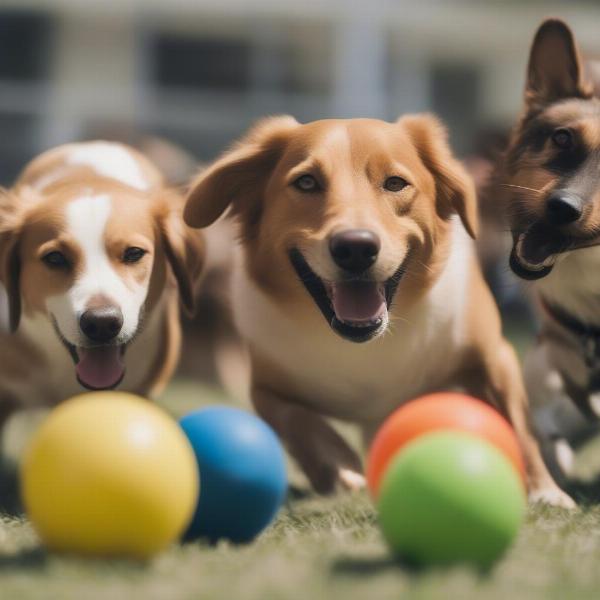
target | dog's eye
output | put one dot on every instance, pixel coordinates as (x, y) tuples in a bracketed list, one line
[(306, 183), (55, 260), (133, 255), (395, 184), (562, 138)]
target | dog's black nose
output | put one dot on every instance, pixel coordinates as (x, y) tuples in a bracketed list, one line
[(563, 208), (354, 250), (101, 325)]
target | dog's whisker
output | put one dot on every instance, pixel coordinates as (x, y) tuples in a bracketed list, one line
[(521, 187), (395, 318), (426, 267)]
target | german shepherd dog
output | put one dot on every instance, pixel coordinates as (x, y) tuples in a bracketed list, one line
[(549, 184)]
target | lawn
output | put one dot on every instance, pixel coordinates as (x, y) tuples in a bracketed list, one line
[(317, 548)]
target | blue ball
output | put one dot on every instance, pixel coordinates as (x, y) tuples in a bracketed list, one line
[(243, 479)]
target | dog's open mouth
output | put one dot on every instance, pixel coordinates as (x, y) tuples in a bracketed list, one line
[(97, 367), (535, 251), (100, 367), (356, 309)]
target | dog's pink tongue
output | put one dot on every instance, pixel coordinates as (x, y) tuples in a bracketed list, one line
[(100, 368), (358, 302)]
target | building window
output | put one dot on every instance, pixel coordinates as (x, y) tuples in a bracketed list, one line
[(202, 63), (455, 96), (24, 45)]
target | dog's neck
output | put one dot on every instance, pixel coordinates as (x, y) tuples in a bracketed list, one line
[(574, 286)]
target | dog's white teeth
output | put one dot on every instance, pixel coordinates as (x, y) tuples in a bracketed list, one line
[(361, 324), (531, 266), (538, 266), (549, 261)]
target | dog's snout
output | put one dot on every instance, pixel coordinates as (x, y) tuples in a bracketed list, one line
[(563, 208), (354, 250), (101, 325)]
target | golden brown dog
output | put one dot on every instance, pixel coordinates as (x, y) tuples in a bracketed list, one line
[(549, 183), (359, 231), (92, 245)]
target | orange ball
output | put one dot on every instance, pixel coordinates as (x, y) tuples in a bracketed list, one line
[(444, 410)]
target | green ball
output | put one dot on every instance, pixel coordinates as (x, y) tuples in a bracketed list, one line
[(450, 497)]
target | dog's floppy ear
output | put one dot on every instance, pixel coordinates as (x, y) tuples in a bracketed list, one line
[(183, 247), (10, 261), (554, 71), (455, 191), (238, 177)]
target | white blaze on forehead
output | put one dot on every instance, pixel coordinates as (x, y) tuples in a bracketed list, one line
[(109, 160), (87, 219)]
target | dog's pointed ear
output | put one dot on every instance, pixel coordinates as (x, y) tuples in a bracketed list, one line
[(554, 71), (455, 191), (184, 249), (238, 176), (10, 261)]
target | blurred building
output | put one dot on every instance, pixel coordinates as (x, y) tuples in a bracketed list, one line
[(199, 71)]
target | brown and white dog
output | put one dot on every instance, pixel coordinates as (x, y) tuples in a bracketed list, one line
[(91, 245), (359, 231), (549, 183)]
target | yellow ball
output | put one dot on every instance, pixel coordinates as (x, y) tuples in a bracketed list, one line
[(109, 474)]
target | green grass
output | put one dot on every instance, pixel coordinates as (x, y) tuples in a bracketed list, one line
[(325, 548), (317, 548)]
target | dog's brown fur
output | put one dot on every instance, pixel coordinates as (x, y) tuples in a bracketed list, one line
[(444, 327)]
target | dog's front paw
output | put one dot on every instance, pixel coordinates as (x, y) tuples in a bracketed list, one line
[(351, 480), (553, 496)]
